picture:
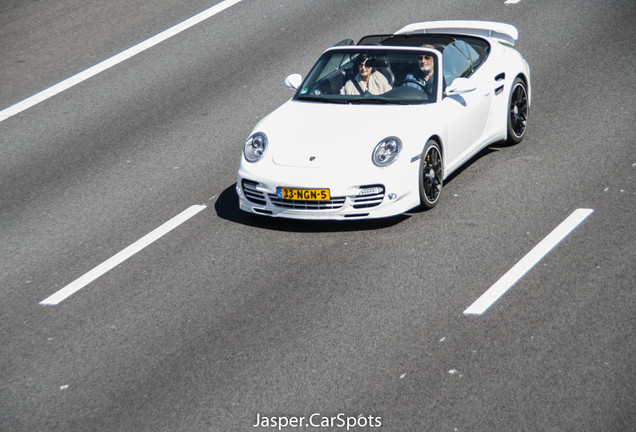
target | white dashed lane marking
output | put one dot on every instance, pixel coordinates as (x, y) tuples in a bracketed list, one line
[(115, 60), (528, 262), (122, 256)]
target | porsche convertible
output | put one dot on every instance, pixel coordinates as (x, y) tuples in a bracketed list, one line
[(376, 127)]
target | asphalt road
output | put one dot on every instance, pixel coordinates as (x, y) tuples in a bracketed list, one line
[(230, 319)]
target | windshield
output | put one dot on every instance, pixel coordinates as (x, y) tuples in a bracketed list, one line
[(372, 76)]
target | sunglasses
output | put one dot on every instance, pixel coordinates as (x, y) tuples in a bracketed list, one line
[(363, 65), (424, 57)]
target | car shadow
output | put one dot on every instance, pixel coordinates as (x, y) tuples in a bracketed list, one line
[(227, 207)]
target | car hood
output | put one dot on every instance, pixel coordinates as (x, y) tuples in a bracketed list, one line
[(320, 135)]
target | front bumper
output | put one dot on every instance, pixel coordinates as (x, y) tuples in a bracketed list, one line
[(349, 199)]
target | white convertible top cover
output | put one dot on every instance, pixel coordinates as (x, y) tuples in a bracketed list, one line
[(500, 31)]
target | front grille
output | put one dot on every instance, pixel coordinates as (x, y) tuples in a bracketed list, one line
[(332, 204), (251, 193)]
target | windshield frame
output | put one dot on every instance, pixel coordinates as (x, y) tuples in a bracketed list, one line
[(332, 73)]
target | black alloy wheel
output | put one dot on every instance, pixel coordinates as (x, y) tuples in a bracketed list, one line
[(431, 175), (517, 112)]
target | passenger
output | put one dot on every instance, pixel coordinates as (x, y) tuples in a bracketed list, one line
[(422, 76), (366, 80)]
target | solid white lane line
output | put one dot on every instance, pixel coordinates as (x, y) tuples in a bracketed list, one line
[(530, 260), (122, 256), (106, 64)]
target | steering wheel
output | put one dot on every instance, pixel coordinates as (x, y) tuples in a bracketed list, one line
[(410, 80)]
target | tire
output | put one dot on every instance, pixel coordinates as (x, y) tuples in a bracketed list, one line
[(517, 112), (431, 175)]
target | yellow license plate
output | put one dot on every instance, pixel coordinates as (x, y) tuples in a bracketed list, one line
[(295, 194)]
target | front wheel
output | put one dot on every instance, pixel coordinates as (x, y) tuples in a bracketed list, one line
[(430, 175), (517, 112)]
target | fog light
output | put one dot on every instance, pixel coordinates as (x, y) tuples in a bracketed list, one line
[(373, 190), (392, 196), (239, 191)]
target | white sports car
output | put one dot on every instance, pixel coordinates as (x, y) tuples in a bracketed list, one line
[(375, 128)]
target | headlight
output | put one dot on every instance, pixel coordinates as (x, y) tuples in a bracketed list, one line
[(387, 151), (255, 147)]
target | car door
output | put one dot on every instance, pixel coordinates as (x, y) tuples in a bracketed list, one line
[(466, 113)]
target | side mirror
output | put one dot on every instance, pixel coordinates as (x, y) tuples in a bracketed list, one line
[(293, 81), (459, 86)]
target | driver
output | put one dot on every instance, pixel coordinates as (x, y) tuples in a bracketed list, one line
[(422, 76), (367, 80)]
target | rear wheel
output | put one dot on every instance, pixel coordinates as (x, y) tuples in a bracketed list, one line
[(517, 112), (430, 175)]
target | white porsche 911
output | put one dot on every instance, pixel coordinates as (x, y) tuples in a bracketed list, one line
[(375, 128)]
